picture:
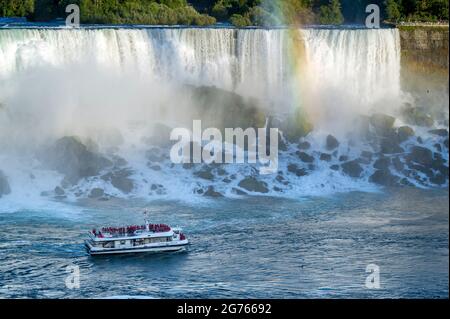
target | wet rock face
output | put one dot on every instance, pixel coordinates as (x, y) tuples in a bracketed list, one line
[(420, 155), (404, 133), (251, 184), (382, 123), (70, 157), (352, 169), (210, 192), (439, 132), (305, 157), (384, 177), (293, 168), (332, 142), (120, 180), (96, 193), (5, 189)]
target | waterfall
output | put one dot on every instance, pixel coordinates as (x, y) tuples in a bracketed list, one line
[(85, 82)]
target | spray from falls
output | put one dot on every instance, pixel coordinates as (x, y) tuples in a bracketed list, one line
[(110, 85)]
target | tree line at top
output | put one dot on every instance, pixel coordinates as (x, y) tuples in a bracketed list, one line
[(240, 13)]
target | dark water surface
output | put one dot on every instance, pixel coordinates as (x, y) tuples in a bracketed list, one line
[(256, 248)]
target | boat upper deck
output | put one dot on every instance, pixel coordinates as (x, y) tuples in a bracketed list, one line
[(131, 232)]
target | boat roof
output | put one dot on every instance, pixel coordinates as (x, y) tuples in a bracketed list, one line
[(140, 235)]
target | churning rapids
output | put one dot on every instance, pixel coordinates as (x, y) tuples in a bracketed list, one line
[(85, 117)]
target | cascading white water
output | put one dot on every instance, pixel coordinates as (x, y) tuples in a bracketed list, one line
[(58, 82), (353, 71)]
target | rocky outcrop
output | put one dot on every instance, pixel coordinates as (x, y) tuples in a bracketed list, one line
[(332, 142), (352, 168), (384, 177), (5, 189), (251, 184), (72, 158), (120, 180)]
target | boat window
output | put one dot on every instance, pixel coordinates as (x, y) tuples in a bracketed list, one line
[(122, 242)]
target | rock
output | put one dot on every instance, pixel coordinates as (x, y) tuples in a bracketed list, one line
[(119, 161), (305, 157), (251, 184), (439, 179), (96, 193), (293, 168), (155, 167), (160, 135), (343, 158), (70, 157), (439, 132), (384, 177), (404, 133), (5, 189), (367, 154), (417, 116), (446, 143), (438, 147), (325, 157), (352, 168), (420, 155), (382, 163), (332, 142), (119, 179), (334, 167), (238, 191), (210, 192), (382, 123), (304, 145), (398, 164), (59, 191), (205, 173), (390, 146), (296, 126)]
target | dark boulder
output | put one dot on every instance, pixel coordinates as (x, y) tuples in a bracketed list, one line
[(59, 191), (332, 142), (5, 189), (382, 123), (70, 157), (237, 191), (304, 145), (325, 157), (384, 177), (305, 157), (205, 173), (343, 158), (420, 155), (439, 179), (417, 116), (398, 164), (293, 168), (404, 133), (120, 180), (352, 168), (210, 192), (382, 163), (439, 132), (390, 145), (251, 184)]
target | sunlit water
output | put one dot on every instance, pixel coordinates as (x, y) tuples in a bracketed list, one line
[(254, 247)]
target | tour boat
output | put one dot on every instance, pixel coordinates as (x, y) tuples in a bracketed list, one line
[(136, 239)]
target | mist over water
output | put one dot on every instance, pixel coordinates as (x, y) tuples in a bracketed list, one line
[(109, 87)]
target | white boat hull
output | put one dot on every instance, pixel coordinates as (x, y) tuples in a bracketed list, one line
[(166, 247)]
